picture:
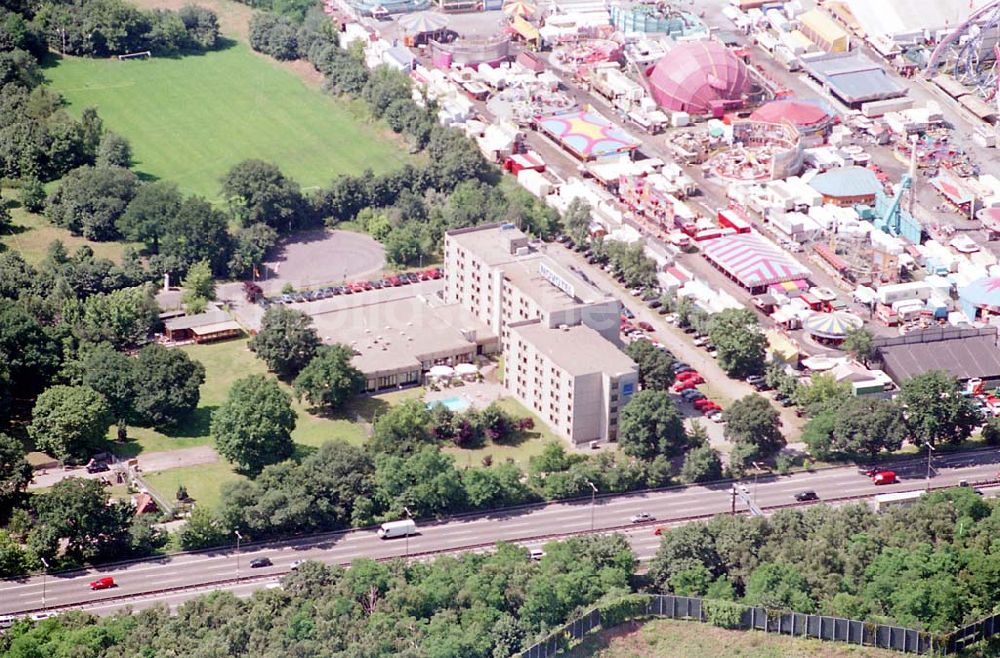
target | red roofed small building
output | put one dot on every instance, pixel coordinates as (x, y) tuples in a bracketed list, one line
[(810, 118), (144, 504)]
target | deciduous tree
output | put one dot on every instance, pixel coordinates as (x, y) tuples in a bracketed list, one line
[(150, 212), (15, 472), (739, 342), (258, 193), (656, 370), (90, 200), (69, 422), (936, 410), (168, 385), (330, 379), (650, 425), (752, 421), (286, 342), (253, 427)]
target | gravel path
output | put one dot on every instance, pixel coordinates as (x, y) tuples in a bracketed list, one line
[(148, 463)]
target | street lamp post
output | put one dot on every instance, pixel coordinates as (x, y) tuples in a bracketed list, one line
[(757, 470), (45, 573), (930, 451), (409, 516), (593, 496), (238, 538)]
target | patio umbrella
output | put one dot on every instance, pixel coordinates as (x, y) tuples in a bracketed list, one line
[(423, 22), (519, 8), (832, 326), (441, 371), (463, 369)]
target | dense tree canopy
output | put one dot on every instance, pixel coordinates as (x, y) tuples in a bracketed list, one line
[(287, 341), (150, 212), (90, 200), (650, 425), (656, 370), (253, 427), (15, 472), (740, 343), (123, 318), (753, 423), (330, 379), (258, 193), (167, 389), (936, 410), (70, 422)]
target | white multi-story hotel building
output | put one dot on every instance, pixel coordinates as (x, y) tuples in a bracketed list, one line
[(558, 332)]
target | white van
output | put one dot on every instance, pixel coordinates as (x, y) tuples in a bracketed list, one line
[(397, 529)]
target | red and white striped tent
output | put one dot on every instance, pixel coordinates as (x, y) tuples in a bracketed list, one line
[(752, 261)]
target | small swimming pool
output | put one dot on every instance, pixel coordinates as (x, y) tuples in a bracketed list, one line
[(455, 404)]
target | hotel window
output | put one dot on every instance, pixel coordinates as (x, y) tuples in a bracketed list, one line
[(614, 398)]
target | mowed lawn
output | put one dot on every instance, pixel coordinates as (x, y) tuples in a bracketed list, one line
[(189, 119)]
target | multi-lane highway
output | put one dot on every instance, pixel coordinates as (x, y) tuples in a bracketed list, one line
[(187, 575)]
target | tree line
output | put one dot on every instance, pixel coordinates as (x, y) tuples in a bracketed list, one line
[(932, 566), (473, 606)]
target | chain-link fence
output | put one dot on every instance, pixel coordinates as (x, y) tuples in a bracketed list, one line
[(821, 627)]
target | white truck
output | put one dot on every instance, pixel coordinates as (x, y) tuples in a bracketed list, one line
[(397, 529)]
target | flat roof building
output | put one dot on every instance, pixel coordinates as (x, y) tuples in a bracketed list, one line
[(571, 377), (852, 77), (557, 330), (396, 340)]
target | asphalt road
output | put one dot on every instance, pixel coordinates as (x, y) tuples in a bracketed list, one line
[(213, 570)]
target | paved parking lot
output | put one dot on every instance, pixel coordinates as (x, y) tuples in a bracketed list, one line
[(322, 257)]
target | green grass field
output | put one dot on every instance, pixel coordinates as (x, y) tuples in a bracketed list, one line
[(190, 119), (531, 443), (668, 639), (31, 235)]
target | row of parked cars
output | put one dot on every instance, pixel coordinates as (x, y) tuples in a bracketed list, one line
[(401, 279)]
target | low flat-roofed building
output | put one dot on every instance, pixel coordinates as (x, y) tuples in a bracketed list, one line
[(213, 324), (571, 377), (397, 340)]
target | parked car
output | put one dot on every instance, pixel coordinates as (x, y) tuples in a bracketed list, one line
[(705, 404), (803, 496), (692, 394), (295, 565), (627, 312), (97, 467), (645, 326), (715, 416), (641, 517), (684, 386), (687, 374), (654, 303), (536, 554), (107, 582), (259, 562)]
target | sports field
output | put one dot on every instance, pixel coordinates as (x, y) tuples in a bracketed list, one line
[(190, 119)]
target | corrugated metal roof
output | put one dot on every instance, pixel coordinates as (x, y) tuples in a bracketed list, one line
[(964, 358), (846, 182), (853, 78)]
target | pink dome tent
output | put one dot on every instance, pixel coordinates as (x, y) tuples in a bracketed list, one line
[(697, 75)]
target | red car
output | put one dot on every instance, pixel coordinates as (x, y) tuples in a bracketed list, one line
[(884, 477), (687, 374), (694, 379), (709, 408), (703, 404), (106, 582), (645, 326), (684, 385)]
